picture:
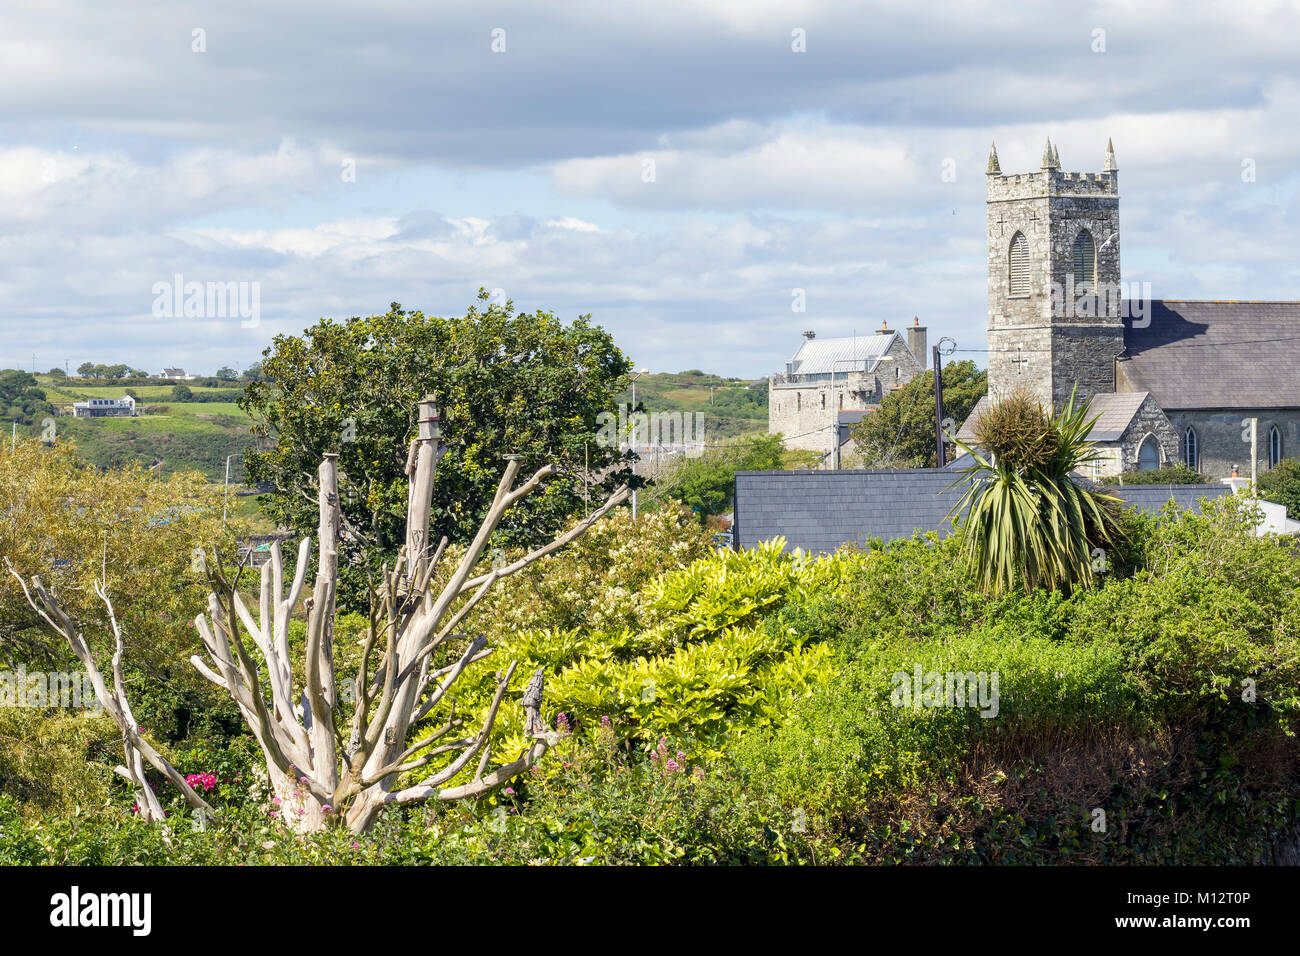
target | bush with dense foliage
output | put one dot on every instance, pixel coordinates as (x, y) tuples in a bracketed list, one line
[(707, 484), (1175, 474), (741, 709), (1281, 484)]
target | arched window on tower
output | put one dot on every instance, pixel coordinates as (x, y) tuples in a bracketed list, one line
[(1274, 446), (1148, 454), (1191, 450), (1085, 262), (1018, 276)]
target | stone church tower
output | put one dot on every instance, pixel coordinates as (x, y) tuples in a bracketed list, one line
[(1054, 293)]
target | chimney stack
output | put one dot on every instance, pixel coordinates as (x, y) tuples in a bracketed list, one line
[(809, 335), (884, 328), (917, 340)]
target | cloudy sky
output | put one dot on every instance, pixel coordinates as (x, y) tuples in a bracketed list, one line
[(675, 169)]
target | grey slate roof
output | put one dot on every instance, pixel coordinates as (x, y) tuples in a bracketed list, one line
[(1207, 354), (819, 511), (1114, 414)]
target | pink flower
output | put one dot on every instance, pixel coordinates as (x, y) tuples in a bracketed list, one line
[(274, 813), (510, 791), (327, 808), (276, 801), (356, 846)]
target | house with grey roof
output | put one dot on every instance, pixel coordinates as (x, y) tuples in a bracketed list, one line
[(830, 384)]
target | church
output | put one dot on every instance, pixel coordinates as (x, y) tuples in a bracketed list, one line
[(1214, 385)]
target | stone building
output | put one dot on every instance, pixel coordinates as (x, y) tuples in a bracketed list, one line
[(1206, 383), (830, 384)]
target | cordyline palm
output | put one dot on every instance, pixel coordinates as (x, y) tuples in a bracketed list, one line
[(1028, 522)]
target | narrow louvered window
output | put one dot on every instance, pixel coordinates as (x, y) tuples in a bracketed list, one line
[(1019, 277), (1190, 450), (1274, 447), (1085, 262)]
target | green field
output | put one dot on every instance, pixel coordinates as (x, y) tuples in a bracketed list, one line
[(188, 435), (731, 406)]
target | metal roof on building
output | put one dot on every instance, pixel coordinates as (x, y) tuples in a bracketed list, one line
[(860, 353)]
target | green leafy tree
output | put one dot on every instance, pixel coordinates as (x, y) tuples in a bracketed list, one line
[(20, 398), (707, 484), (182, 393), (1281, 484), (227, 374), (1027, 522), (506, 383), (900, 433), (58, 373), (87, 369)]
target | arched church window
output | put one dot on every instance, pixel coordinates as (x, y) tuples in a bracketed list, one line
[(1274, 446), (1018, 279), (1085, 262), (1148, 454), (1191, 451)]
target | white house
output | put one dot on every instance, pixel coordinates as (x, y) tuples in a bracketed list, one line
[(123, 407)]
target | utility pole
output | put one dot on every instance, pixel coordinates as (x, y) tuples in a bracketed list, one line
[(938, 409), (1254, 451), (634, 429)]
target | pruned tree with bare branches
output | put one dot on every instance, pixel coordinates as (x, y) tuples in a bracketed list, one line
[(323, 765)]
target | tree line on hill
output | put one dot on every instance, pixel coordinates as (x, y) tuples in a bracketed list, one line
[(99, 372)]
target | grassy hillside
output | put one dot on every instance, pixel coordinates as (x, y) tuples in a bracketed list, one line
[(187, 435), (731, 406)]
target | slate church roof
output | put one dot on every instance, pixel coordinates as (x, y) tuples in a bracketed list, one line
[(1211, 354), (1114, 413), (819, 511)]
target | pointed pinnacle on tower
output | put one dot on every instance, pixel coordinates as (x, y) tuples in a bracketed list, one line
[(1110, 166), (1056, 157), (1049, 160), (994, 169)]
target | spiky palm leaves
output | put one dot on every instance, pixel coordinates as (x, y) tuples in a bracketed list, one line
[(1027, 522)]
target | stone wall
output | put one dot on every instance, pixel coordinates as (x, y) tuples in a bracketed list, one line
[(1224, 441), (1149, 421)]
